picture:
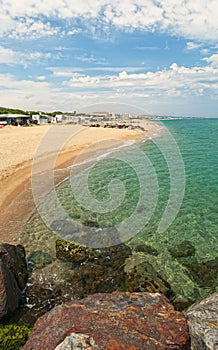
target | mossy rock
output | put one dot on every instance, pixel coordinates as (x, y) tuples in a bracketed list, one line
[(145, 248), (142, 277), (13, 337), (78, 254), (183, 249), (91, 223), (204, 273), (38, 260), (95, 270)]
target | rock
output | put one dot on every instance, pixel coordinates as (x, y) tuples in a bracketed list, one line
[(183, 249), (145, 248), (77, 342), (142, 277), (203, 324), (205, 273), (13, 277), (78, 254), (38, 260), (15, 259), (48, 287), (95, 270), (10, 294), (113, 321), (63, 227)]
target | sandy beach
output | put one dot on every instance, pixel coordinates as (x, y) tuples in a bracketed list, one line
[(17, 150)]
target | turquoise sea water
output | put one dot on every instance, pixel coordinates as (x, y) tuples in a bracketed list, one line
[(186, 253)]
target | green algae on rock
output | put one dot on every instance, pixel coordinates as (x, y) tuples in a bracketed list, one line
[(38, 260), (12, 336)]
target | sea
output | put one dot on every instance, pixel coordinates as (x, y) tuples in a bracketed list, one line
[(158, 195)]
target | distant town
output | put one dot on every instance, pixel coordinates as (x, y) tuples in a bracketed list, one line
[(18, 117)]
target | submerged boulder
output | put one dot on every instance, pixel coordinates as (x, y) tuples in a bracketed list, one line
[(105, 270), (142, 277), (203, 324), (112, 321), (38, 260), (182, 249), (13, 277), (95, 270)]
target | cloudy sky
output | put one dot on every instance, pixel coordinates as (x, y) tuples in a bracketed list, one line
[(158, 55)]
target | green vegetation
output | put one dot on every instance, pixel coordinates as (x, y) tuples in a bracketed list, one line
[(12, 111), (13, 337), (4, 110)]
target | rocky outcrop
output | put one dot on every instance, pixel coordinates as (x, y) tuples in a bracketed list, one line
[(203, 324), (13, 277), (112, 321)]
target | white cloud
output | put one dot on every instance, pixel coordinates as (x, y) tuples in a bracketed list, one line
[(192, 46), (177, 81), (188, 18), (7, 56), (73, 31), (41, 78), (213, 60), (33, 29), (177, 86), (91, 59), (68, 72), (11, 57), (40, 95)]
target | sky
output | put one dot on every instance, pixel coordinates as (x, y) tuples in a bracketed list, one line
[(158, 56)]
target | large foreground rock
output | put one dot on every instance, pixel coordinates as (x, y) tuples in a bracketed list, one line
[(112, 321), (203, 324), (13, 277)]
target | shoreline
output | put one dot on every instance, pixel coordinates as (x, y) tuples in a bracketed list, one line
[(16, 202)]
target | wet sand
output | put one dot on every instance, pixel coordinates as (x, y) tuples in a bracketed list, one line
[(18, 147)]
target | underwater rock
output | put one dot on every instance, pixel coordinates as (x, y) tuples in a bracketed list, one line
[(95, 270), (63, 227), (90, 223), (203, 324), (183, 249), (114, 321), (145, 248), (13, 277), (38, 260), (142, 277), (184, 289), (78, 254), (205, 273)]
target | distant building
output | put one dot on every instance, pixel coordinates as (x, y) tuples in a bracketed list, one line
[(40, 119), (101, 114), (14, 119)]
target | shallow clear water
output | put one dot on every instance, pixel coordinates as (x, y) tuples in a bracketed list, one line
[(188, 248)]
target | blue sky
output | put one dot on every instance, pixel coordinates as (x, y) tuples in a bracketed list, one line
[(160, 56)]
